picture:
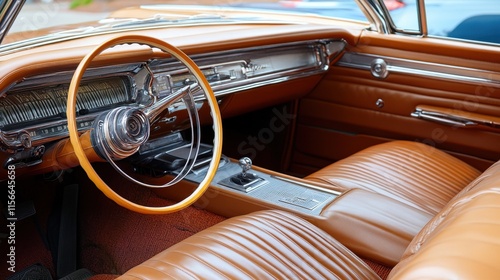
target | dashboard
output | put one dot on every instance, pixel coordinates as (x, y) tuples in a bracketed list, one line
[(33, 111)]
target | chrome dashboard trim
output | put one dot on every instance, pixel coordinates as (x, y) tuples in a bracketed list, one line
[(37, 140), (423, 69), (329, 49), (296, 60), (325, 51)]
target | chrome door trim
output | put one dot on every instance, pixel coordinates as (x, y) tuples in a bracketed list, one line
[(421, 68)]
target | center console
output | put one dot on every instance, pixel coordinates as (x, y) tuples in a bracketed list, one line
[(280, 191), (235, 178)]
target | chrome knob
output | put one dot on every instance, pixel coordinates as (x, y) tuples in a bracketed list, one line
[(379, 68), (245, 164), (25, 139)]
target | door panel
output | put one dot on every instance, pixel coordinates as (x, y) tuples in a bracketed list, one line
[(350, 109)]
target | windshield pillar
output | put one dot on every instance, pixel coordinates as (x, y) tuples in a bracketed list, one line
[(422, 18), (8, 13), (377, 14)]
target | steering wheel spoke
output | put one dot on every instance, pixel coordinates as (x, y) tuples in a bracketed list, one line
[(119, 133), (153, 111)]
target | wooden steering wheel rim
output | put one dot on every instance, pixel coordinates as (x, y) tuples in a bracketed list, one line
[(80, 153)]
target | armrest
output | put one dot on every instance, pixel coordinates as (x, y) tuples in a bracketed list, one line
[(372, 225)]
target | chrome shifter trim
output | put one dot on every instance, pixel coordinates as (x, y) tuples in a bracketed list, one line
[(244, 181), (248, 187)]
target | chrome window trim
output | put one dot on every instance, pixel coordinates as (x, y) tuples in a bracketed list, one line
[(8, 12), (374, 12), (423, 69)]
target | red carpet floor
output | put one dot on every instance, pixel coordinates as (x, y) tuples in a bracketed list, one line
[(111, 239), (115, 239)]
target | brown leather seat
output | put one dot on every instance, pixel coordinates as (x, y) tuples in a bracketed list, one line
[(413, 173), (462, 241), (262, 245)]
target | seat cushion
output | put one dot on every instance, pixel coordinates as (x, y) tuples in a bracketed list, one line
[(263, 245), (411, 172)]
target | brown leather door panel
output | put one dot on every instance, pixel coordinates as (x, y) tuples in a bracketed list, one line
[(350, 109)]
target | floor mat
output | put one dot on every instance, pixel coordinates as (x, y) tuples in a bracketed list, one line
[(29, 245), (111, 239), (114, 239), (381, 270), (34, 272)]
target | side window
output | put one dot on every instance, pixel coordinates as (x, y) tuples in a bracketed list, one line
[(477, 20)]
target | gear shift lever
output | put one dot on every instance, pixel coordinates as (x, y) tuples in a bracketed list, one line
[(245, 164), (244, 177), (244, 180)]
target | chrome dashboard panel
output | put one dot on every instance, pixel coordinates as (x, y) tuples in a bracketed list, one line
[(239, 70), (32, 111)]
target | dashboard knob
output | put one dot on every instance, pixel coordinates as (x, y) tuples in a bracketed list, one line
[(25, 139)]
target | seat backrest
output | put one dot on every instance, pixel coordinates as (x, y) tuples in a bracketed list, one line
[(463, 240)]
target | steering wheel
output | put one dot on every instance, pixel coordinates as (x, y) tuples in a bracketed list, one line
[(120, 132)]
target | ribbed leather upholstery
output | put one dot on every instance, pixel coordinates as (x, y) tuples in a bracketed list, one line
[(262, 245), (390, 225), (410, 172), (463, 240)]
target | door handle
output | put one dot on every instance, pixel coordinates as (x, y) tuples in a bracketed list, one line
[(457, 118)]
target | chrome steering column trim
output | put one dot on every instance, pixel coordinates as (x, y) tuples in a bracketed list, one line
[(120, 132)]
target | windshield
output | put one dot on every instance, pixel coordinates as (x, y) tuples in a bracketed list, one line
[(42, 17), (44, 21)]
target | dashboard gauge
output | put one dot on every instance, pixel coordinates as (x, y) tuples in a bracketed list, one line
[(28, 106), (162, 85)]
